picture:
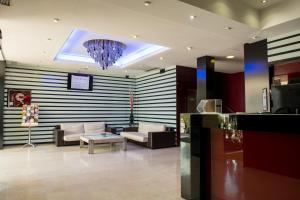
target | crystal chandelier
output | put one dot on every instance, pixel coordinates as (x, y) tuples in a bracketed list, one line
[(104, 52)]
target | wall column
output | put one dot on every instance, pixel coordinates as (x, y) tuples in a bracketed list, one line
[(256, 75), (205, 78)]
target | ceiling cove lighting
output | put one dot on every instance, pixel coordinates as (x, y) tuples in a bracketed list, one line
[(141, 54), (73, 50), (104, 52), (229, 57), (144, 52)]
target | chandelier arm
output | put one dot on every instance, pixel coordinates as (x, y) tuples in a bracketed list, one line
[(104, 52)]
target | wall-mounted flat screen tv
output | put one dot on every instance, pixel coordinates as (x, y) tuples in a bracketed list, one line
[(80, 81)]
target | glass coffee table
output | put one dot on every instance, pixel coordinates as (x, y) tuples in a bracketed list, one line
[(102, 138)]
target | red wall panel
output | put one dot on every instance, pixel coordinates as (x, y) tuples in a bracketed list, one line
[(290, 69), (273, 152), (232, 91)]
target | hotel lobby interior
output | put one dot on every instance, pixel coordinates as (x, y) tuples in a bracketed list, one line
[(150, 100)]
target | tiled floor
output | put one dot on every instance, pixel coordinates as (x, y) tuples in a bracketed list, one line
[(232, 181), (47, 172)]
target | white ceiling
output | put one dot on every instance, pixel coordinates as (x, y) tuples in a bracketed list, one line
[(259, 5), (27, 25)]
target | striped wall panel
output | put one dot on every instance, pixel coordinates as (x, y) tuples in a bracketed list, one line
[(156, 96), (109, 102), (284, 47)]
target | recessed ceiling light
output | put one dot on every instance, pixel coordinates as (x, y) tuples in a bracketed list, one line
[(135, 36), (56, 20), (189, 48), (264, 1), (147, 3), (49, 39), (192, 17), (255, 37), (229, 57), (228, 28), (161, 58)]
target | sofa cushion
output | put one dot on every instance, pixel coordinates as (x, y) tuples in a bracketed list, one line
[(72, 128), (136, 136), (72, 137), (146, 127), (94, 127)]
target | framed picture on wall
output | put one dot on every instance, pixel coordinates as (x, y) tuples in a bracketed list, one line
[(18, 98)]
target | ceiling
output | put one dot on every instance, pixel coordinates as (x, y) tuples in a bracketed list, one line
[(133, 52), (259, 5), (31, 37)]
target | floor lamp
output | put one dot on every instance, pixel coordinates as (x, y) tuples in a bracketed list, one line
[(29, 143), (29, 119)]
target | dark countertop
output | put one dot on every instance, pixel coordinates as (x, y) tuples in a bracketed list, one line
[(281, 123)]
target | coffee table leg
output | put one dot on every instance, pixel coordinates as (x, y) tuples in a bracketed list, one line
[(81, 143), (125, 144), (91, 147)]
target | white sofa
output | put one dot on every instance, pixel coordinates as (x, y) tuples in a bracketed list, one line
[(154, 135), (69, 133)]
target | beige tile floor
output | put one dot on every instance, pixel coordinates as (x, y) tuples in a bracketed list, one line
[(70, 173)]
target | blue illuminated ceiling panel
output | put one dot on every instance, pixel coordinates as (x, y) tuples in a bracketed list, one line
[(73, 49)]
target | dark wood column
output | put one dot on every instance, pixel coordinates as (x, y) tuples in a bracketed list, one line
[(200, 137), (185, 94), (2, 74), (205, 78)]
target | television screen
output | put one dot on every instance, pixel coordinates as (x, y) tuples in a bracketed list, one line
[(286, 99), (80, 81)]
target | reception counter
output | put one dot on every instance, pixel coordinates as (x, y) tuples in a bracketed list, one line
[(270, 148)]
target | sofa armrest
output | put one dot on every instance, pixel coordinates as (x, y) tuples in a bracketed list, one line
[(170, 129), (111, 130), (131, 129), (164, 139), (59, 137)]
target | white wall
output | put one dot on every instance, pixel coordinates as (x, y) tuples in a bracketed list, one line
[(284, 47), (109, 102), (156, 96), (155, 101)]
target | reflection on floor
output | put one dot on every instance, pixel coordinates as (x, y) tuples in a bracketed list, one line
[(233, 182), (47, 173)]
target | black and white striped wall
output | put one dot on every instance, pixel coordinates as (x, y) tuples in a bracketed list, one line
[(156, 96), (284, 47), (109, 102)]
